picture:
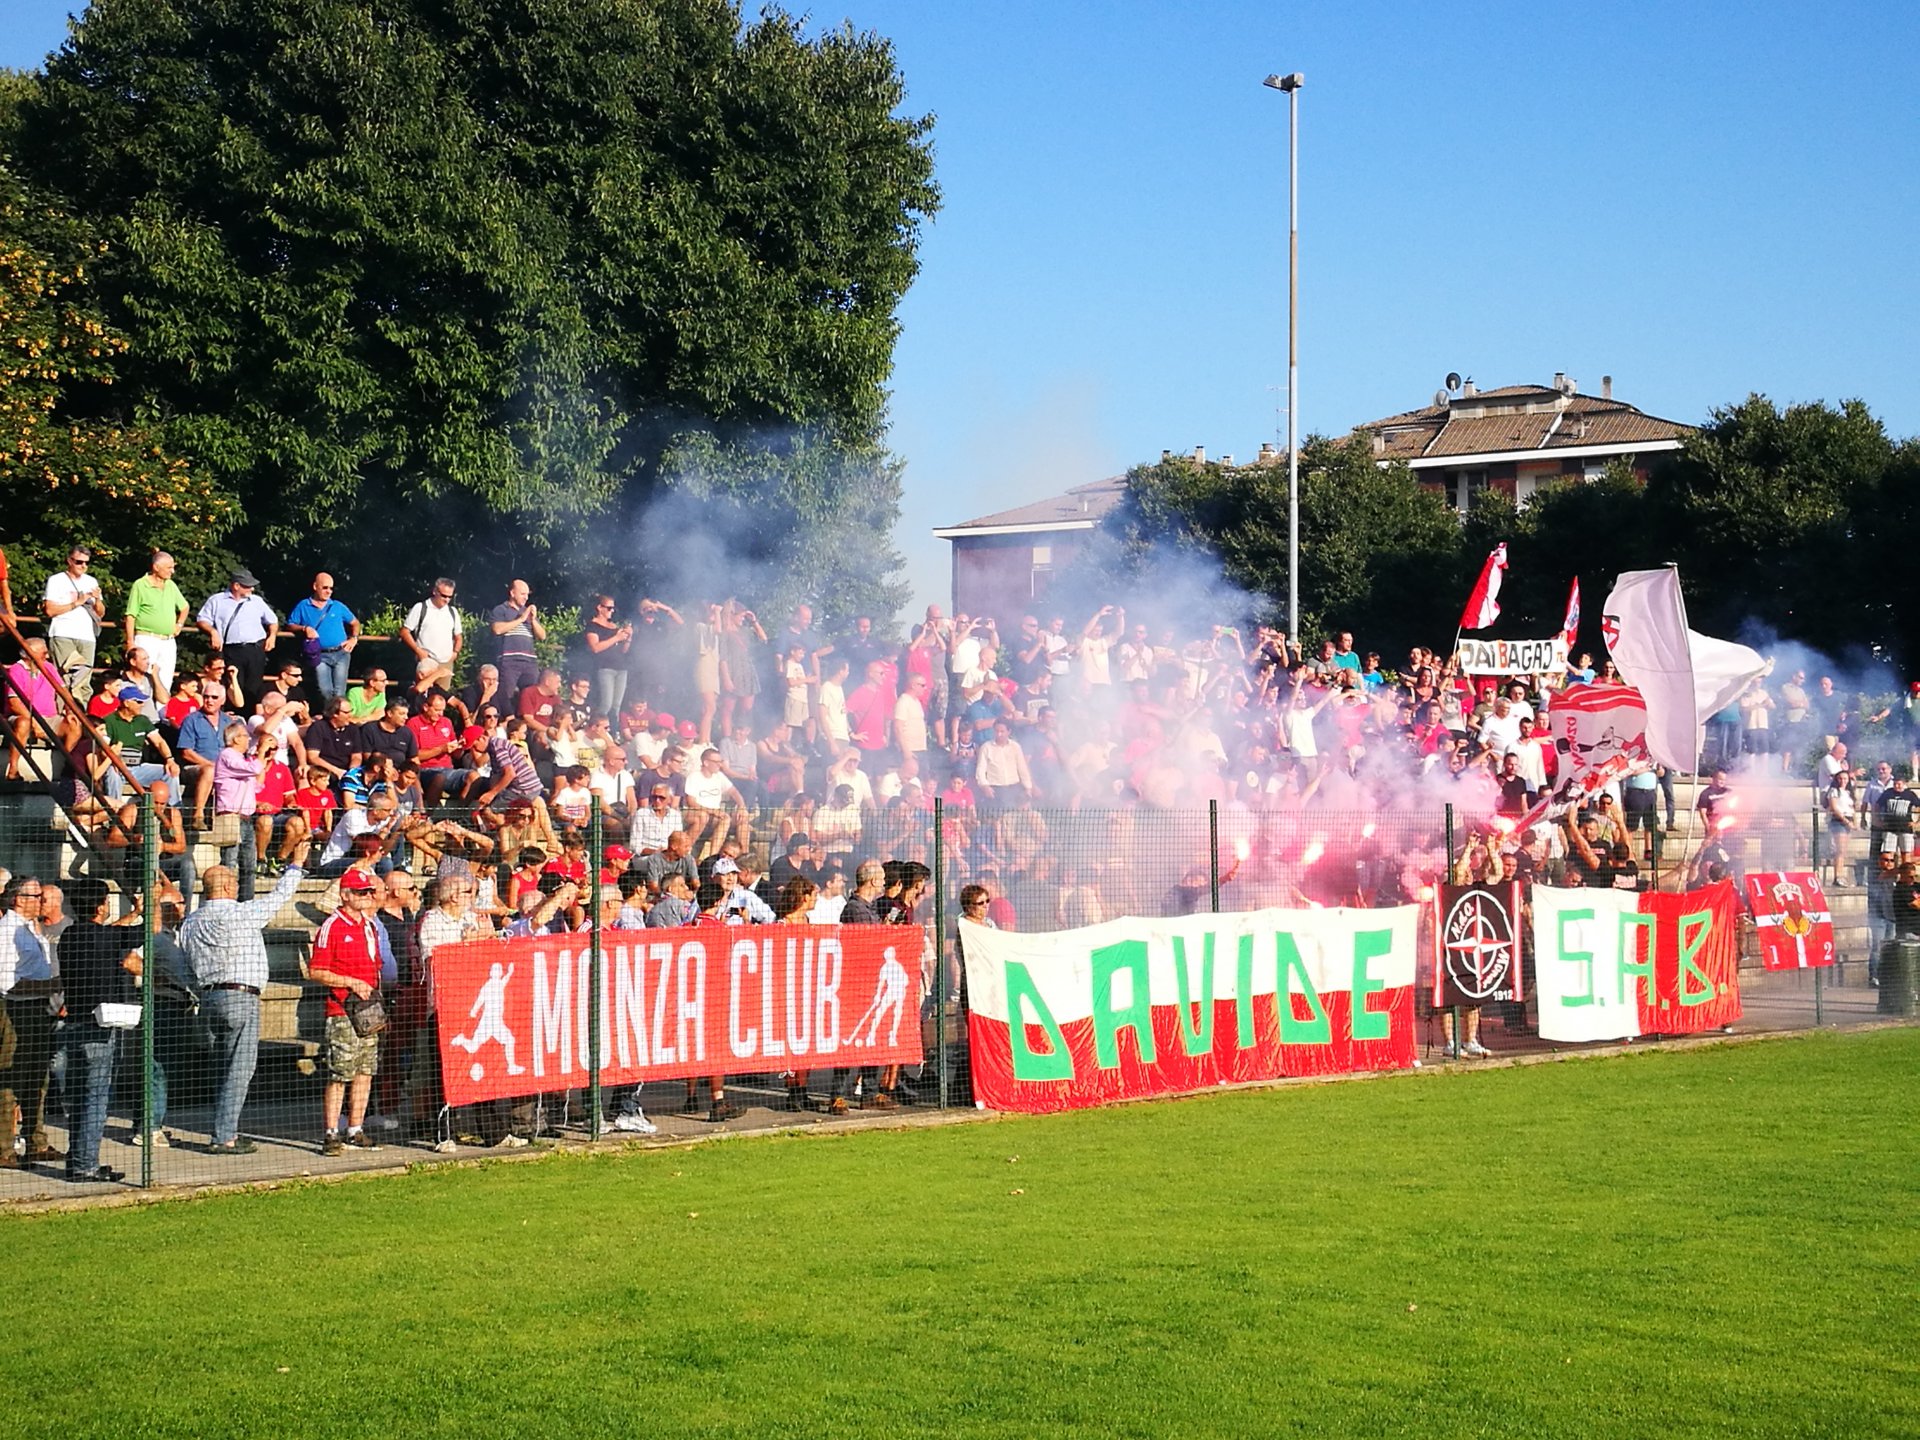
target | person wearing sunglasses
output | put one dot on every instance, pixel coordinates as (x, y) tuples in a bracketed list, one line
[(75, 609)]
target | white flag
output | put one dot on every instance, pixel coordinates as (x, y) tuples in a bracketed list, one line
[(1683, 676)]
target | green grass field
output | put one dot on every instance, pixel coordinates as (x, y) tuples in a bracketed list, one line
[(1725, 1241)]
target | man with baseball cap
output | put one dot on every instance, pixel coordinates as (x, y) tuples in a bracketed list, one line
[(142, 748), (346, 959), (737, 901), (241, 627)]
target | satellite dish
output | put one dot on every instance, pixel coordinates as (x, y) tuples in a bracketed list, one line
[(1453, 380)]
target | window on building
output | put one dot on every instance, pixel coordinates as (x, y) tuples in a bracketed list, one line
[(1466, 485), (1042, 571)]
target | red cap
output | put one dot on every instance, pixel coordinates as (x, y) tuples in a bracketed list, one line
[(356, 880), (689, 730), (618, 854), (471, 734), (661, 717)]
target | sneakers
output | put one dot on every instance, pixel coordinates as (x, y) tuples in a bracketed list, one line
[(333, 1145), (879, 1100), (837, 1106), (1449, 1051), (99, 1175), (634, 1124), (360, 1140), (239, 1145), (512, 1142), (1474, 1050), (723, 1111)]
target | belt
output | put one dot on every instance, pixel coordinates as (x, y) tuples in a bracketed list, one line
[(253, 990)]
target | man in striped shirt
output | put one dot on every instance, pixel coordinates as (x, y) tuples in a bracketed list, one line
[(228, 955)]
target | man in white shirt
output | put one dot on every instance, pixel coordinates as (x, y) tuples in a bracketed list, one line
[(653, 822), (910, 717), (28, 978), (75, 609), (611, 782), (1002, 764), (1500, 731), (432, 627)]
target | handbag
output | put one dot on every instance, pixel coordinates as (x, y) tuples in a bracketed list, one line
[(368, 1016)]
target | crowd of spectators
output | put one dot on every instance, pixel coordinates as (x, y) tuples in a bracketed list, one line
[(444, 780)]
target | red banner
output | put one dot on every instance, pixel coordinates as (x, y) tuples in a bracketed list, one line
[(1793, 919), (700, 1000), (1694, 961)]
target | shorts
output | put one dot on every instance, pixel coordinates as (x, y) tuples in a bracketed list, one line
[(1640, 806), (1900, 843), (349, 1054)]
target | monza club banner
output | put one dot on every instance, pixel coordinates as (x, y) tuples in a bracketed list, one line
[(1612, 964), (1139, 1007), (699, 1000)]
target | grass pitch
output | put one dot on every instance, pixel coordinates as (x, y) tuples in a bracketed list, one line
[(1720, 1242)]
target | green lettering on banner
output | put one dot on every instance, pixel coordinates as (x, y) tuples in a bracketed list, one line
[(1582, 958), (1056, 1063), (1196, 1030), (1288, 965), (1243, 993), (1129, 957), (1631, 966), (1695, 987), (1362, 1023)]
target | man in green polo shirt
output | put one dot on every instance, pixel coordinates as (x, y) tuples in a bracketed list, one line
[(155, 612), (368, 699)]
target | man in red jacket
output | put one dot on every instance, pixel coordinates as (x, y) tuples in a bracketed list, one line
[(346, 959)]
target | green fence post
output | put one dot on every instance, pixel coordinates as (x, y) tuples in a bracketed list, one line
[(939, 947), (1213, 852), (149, 909), (1459, 1019), (596, 858)]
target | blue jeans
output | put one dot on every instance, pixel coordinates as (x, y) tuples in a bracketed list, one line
[(330, 675), (242, 859), (609, 692), (90, 1079), (232, 1019)]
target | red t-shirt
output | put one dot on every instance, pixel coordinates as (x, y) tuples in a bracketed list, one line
[(318, 807), (573, 870), (428, 734), (346, 946), (274, 789), (179, 707), (536, 704)]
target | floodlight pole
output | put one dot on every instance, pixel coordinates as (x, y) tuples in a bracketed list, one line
[(1291, 84)]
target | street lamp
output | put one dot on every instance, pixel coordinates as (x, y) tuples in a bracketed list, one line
[(1291, 85)]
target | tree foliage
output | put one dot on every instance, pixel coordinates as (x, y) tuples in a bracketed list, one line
[(75, 466), (1790, 522), (469, 272)]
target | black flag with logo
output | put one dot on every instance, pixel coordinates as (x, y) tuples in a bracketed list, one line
[(1476, 930)]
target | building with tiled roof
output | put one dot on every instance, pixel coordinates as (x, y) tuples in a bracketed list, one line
[(1003, 563), (1517, 438)]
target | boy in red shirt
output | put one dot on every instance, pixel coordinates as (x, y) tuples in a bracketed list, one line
[(346, 959), (315, 801)]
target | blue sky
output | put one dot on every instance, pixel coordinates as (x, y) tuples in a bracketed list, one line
[(1699, 200)]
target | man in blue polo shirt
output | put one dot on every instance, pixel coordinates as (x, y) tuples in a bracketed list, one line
[(331, 631)]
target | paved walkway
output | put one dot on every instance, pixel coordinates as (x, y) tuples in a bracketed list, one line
[(288, 1133)]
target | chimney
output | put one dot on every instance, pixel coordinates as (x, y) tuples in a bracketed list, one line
[(1083, 504), (1268, 456), (1199, 454), (1379, 443), (1606, 387), (1560, 380), (1165, 455), (1468, 389), (1227, 460)]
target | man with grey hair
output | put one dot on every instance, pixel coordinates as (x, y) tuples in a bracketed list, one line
[(74, 609), (28, 980), (869, 884), (156, 614), (227, 952)]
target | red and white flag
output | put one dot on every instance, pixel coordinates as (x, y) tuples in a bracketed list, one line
[(1683, 676), (1571, 626), (1483, 605)]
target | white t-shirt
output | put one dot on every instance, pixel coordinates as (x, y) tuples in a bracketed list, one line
[(1500, 733), (1057, 647), (436, 627), (77, 623), (965, 657), (283, 728), (709, 791), (1093, 659), (910, 724), (613, 788), (831, 711)]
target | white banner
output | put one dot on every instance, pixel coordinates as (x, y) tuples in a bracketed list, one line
[(1513, 657), (1576, 964)]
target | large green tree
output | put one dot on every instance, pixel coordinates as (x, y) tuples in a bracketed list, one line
[(464, 273)]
